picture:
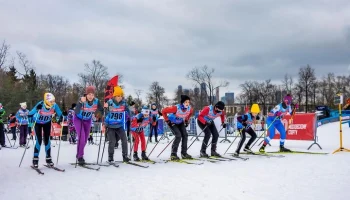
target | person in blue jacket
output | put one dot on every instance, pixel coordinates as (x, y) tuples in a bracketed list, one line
[(274, 122), (244, 123), (43, 112)]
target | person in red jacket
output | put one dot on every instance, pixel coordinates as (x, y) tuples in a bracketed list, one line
[(138, 123), (177, 118), (206, 123)]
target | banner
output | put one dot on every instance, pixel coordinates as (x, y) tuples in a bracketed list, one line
[(302, 127), (55, 130)]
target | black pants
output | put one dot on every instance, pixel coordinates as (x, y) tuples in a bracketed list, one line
[(40, 130), (179, 130), (155, 129), (13, 131), (2, 134), (252, 134), (113, 134), (128, 129), (210, 130)]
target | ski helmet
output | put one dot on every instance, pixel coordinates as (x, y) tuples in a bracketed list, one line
[(288, 99), (255, 108), (220, 105), (49, 100)]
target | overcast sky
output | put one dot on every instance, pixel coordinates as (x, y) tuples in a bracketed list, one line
[(162, 40)]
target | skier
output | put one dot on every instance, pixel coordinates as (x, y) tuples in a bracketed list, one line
[(13, 125), (274, 122), (117, 112), (22, 117), (244, 123), (2, 133), (138, 124), (155, 113), (43, 112), (206, 122), (71, 128), (177, 118), (82, 120)]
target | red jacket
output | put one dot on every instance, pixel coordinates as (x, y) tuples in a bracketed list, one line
[(173, 109), (205, 112)]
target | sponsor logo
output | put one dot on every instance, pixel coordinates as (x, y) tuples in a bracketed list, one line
[(297, 126), (292, 132)]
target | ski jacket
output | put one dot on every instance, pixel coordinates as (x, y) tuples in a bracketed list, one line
[(84, 111), (208, 113), (139, 122), (44, 115), (176, 115), (22, 116), (117, 114)]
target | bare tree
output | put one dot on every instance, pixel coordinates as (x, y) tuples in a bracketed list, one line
[(3, 53), (157, 95), (306, 79), (265, 90), (204, 76), (24, 62), (96, 74), (249, 92), (137, 100), (288, 83)]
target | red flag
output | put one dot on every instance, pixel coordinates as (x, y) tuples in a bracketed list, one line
[(109, 87)]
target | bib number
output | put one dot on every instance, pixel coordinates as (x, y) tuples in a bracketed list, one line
[(86, 114), (139, 129), (117, 116), (44, 118)]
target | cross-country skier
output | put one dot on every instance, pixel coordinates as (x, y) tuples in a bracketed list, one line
[(22, 118), (206, 122), (138, 123), (43, 112), (244, 123), (13, 125), (177, 117), (71, 128), (274, 122), (84, 110), (155, 114), (117, 112), (2, 133)]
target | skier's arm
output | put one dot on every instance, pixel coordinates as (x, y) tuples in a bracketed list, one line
[(168, 110), (202, 114), (78, 107), (189, 116), (34, 110), (276, 109), (100, 107), (58, 111), (222, 116), (2, 112)]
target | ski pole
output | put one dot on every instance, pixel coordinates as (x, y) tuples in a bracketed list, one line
[(197, 136), (167, 146), (25, 149), (59, 144), (156, 145), (103, 149), (99, 145), (240, 132), (264, 132)]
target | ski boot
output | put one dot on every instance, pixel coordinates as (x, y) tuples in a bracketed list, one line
[(126, 158), (203, 154), (186, 156), (284, 149), (262, 148), (81, 161), (144, 156), (150, 140), (214, 153), (173, 156), (49, 161), (247, 149), (110, 158), (35, 162), (156, 139), (235, 154), (136, 157)]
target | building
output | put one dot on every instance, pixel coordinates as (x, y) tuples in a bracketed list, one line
[(196, 91), (223, 99), (230, 98), (217, 94), (186, 92), (179, 89)]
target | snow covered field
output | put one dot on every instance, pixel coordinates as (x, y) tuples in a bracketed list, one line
[(294, 177)]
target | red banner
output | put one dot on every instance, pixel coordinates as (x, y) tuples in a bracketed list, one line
[(302, 127), (55, 130)]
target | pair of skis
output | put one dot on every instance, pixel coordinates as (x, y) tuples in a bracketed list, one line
[(50, 167)]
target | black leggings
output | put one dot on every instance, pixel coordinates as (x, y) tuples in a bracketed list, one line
[(252, 134), (38, 133), (210, 130), (155, 129), (179, 130)]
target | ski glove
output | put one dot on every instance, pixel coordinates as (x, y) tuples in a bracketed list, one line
[(186, 123), (39, 107), (278, 114), (170, 123), (223, 125), (209, 122)]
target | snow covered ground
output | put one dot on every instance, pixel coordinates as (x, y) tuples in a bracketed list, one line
[(301, 176)]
